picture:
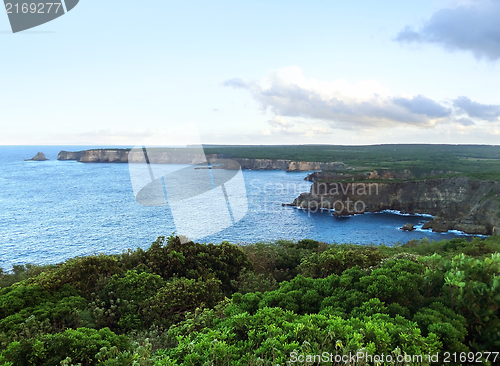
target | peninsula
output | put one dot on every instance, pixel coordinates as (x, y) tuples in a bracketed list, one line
[(457, 203), (457, 184), (178, 156)]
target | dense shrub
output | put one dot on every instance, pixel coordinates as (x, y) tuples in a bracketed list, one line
[(24, 309), (336, 259), (81, 345), (280, 260), (476, 247), (171, 258), (270, 336), (395, 282), (118, 304), (171, 301), (177, 297), (250, 281), (472, 288), (449, 326), (21, 272), (83, 273)]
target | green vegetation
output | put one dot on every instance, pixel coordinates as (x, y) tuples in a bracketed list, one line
[(475, 161), (205, 304)]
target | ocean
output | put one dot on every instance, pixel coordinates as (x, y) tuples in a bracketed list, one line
[(54, 210)]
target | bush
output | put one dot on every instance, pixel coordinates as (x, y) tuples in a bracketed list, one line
[(302, 297), (118, 304), (191, 260), (81, 345), (471, 287), (336, 259), (177, 297), (27, 309), (477, 247), (281, 258), (270, 336), (440, 320), (397, 282), (21, 272), (83, 273), (249, 281)]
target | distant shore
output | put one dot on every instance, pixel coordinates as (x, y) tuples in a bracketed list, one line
[(191, 156)]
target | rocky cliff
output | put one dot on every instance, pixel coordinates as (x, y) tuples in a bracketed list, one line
[(169, 157), (459, 203), (376, 174), (70, 155), (288, 165), (96, 156)]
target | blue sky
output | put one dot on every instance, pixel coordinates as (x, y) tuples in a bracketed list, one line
[(255, 72)]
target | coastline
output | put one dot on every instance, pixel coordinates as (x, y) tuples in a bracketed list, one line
[(458, 203), (178, 156)]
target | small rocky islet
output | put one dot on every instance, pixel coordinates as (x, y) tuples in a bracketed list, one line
[(40, 156)]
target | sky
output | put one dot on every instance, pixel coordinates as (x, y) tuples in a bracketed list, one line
[(254, 72)]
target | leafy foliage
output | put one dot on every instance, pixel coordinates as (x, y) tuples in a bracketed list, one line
[(21, 272), (471, 287), (80, 345), (336, 259), (186, 303)]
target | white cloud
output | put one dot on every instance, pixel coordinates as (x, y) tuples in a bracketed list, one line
[(471, 26), (364, 111), (486, 112), (288, 93)]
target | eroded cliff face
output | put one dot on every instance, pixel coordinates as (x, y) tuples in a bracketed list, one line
[(463, 204), (104, 156), (69, 155), (127, 156), (168, 157), (287, 165)]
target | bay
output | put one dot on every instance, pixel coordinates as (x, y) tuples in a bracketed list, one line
[(54, 210)]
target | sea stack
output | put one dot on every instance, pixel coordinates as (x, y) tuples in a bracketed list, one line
[(38, 157), (408, 227)]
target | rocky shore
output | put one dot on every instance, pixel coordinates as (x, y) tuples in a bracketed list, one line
[(96, 156), (459, 203)]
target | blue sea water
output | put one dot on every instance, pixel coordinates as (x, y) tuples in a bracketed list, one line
[(54, 210)]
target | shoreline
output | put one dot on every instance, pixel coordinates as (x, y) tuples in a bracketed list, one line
[(178, 156), (458, 203)]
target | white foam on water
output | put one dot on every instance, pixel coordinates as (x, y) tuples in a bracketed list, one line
[(396, 212)]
